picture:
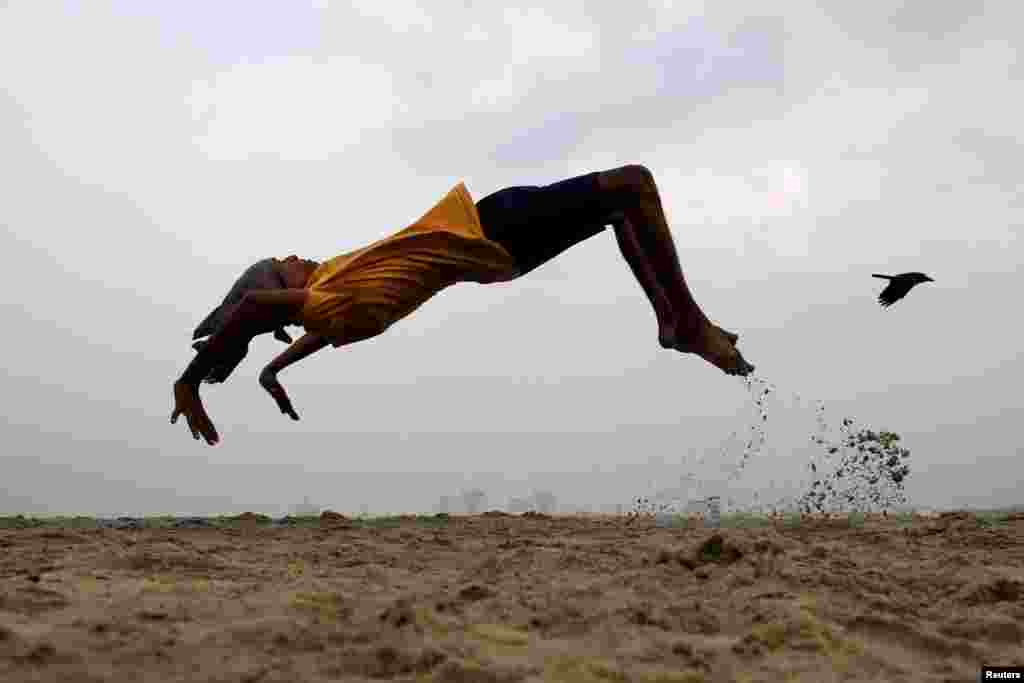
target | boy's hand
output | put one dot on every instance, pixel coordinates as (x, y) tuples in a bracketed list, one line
[(187, 402), (268, 380)]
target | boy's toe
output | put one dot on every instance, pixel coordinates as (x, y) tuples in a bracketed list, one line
[(741, 368)]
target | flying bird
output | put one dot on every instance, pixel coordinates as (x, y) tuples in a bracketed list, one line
[(898, 286)]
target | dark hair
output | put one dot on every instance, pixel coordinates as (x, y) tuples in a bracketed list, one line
[(260, 275)]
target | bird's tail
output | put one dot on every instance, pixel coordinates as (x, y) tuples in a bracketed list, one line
[(884, 277)]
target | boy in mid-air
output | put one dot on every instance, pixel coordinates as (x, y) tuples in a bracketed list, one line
[(505, 235)]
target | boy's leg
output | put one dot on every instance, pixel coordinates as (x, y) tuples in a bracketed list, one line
[(646, 241), (537, 223), (637, 196), (645, 274)]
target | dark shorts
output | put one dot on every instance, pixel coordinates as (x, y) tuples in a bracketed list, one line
[(537, 223)]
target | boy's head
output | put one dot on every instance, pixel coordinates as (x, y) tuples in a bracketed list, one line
[(295, 271), (260, 275)]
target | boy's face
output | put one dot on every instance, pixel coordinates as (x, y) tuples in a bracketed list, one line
[(295, 271)]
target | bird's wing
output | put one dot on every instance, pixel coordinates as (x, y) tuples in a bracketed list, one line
[(884, 277), (892, 293)]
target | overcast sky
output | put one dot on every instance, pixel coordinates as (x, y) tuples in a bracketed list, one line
[(151, 151)]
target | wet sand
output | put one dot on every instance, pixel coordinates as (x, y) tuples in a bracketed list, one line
[(513, 598)]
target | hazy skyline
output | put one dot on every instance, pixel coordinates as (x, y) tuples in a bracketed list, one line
[(152, 151)]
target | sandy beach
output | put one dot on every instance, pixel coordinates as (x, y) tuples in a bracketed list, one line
[(514, 598)]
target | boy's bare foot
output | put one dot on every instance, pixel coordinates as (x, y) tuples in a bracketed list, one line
[(667, 334), (716, 346), (731, 336)]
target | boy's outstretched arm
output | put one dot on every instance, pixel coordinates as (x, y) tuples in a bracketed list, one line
[(308, 344), (259, 311)]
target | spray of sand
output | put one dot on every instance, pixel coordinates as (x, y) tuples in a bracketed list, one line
[(852, 468)]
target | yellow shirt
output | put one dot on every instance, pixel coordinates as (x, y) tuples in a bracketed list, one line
[(362, 293)]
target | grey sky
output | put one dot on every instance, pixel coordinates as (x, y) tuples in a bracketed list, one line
[(151, 151)]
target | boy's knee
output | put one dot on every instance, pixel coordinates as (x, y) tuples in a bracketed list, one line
[(629, 178)]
